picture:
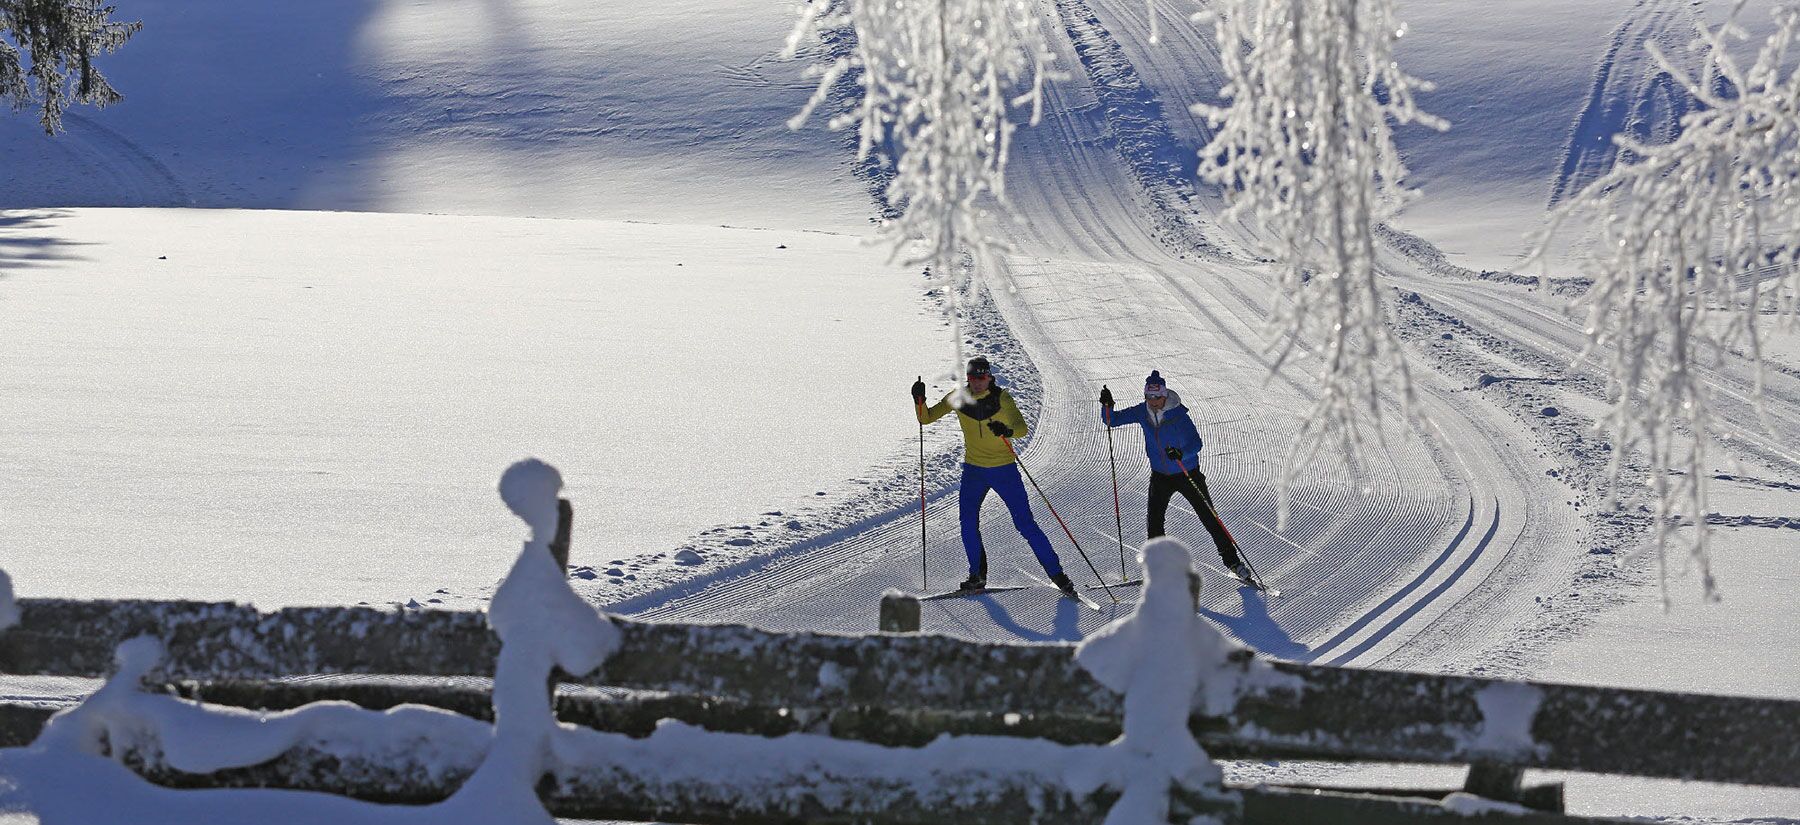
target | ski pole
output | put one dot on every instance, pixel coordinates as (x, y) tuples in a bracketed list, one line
[(1214, 512), (1059, 519), (1118, 520), (924, 572)]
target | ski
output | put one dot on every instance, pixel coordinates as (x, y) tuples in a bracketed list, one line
[(1265, 589), (956, 594), (1074, 597), (1127, 583), (1077, 597), (1259, 586), (1250, 583)]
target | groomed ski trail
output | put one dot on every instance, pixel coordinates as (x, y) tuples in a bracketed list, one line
[(1097, 295)]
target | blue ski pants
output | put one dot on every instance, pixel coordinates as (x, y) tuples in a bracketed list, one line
[(1005, 480)]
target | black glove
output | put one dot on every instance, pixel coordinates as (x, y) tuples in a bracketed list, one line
[(1105, 396), (1000, 429), (1172, 453), (918, 390)]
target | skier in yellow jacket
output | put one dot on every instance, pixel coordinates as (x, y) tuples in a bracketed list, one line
[(988, 420)]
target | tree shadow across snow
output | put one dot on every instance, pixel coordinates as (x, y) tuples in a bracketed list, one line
[(26, 240), (227, 104)]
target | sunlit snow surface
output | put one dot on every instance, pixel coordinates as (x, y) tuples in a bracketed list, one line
[(291, 408), (310, 407)]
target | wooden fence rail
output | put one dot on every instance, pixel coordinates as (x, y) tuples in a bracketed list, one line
[(894, 689), (630, 780)]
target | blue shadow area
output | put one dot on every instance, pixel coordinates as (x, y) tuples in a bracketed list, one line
[(1254, 627), (26, 241), (1065, 624), (227, 104)]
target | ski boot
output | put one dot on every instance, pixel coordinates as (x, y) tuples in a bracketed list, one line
[(1242, 571), (1062, 582), (975, 581)]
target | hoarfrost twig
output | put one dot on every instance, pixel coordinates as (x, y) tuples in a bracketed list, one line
[(1304, 147), (938, 78), (1696, 241)]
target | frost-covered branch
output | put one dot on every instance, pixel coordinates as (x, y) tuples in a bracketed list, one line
[(1696, 242), (939, 79), (1305, 148), (60, 37)]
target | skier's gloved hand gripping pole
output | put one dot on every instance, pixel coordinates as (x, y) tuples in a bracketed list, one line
[(918, 395), (1106, 409), (1005, 434)]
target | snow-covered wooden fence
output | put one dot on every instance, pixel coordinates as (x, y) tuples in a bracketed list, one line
[(887, 689), (725, 723)]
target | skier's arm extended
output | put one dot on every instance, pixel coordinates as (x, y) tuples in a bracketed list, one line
[(1009, 415), (933, 412), (1133, 414)]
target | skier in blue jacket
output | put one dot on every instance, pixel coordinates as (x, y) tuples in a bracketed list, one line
[(1173, 445)]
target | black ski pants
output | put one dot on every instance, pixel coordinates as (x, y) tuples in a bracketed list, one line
[(1193, 486)]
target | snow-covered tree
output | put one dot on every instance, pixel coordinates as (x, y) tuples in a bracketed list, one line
[(939, 80), (1304, 147), (60, 39), (1696, 243)]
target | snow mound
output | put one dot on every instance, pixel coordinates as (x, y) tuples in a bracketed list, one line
[(529, 488), (1471, 805), (108, 719)]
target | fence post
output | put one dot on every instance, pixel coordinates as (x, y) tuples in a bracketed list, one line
[(559, 550), (1497, 782), (565, 523), (899, 612), (1504, 783)]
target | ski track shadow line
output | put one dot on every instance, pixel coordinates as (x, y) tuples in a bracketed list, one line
[(1402, 593), (1453, 578)]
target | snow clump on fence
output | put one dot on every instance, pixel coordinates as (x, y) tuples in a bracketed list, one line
[(1166, 660)]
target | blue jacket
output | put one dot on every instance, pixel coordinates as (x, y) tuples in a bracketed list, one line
[(1176, 429)]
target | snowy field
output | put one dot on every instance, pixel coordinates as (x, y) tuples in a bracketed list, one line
[(582, 232), (307, 407)]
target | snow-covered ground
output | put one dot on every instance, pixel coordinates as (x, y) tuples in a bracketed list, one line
[(643, 277), (306, 407)]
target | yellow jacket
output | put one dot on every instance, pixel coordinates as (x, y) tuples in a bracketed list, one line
[(980, 446)]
